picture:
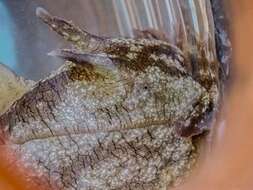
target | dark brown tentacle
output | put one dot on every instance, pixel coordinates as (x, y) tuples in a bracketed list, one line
[(151, 34)]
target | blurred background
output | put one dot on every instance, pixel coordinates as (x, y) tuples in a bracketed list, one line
[(25, 41)]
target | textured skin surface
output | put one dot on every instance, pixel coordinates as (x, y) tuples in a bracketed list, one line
[(115, 116)]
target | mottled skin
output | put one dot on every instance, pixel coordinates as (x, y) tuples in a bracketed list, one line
[(120, 114)]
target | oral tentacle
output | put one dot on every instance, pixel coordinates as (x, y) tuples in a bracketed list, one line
[(80, 58)]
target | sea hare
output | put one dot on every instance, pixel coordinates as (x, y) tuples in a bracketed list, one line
[(119, 114)]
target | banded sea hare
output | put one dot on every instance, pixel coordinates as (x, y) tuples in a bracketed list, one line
[(119, 114)]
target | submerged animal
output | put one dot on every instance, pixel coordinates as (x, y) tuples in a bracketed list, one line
[(119, 114)]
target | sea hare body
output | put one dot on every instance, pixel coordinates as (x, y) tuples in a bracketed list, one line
[(120, 114)]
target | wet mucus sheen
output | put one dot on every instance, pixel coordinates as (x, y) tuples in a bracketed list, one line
[(119, 114)]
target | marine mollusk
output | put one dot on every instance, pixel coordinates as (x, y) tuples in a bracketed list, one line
[(119, 114)]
